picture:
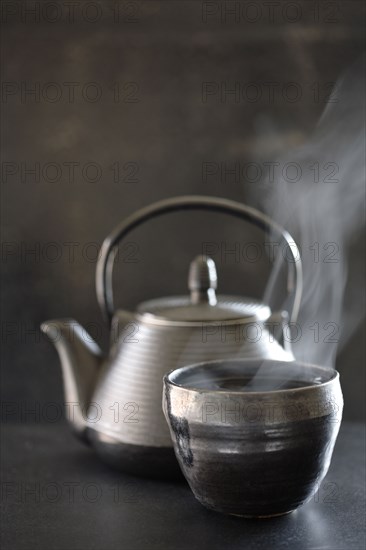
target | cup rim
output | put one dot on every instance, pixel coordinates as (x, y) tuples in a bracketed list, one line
[(169, 382)]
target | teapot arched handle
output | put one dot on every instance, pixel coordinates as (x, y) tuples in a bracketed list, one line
[(105, 263)]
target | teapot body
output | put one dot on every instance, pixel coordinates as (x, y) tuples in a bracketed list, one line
[(127, 424), (120, 396)]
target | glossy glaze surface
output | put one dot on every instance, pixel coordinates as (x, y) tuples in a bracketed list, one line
[(253, 453)]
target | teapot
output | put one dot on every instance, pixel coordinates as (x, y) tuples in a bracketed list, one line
[(113, 401)]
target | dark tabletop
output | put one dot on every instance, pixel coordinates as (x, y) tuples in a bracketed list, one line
[(56, 495)]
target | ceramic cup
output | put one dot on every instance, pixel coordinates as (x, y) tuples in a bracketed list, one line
[(253, 438)]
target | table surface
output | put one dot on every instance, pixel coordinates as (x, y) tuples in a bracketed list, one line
[(56, 495)]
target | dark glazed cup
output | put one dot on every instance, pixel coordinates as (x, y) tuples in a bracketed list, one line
[(253, 438)]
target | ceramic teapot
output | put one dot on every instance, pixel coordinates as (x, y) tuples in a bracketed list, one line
[(114, 400)]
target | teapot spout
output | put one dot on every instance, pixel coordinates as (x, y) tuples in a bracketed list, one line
[(81, 359)]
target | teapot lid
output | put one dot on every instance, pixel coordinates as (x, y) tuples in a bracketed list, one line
[(203, 304)]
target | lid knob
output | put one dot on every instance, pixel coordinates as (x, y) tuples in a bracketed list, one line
[(202, 280)]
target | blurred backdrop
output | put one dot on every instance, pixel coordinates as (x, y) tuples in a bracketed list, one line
[(109, 106)]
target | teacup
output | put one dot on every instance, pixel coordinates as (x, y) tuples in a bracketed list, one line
[(253, 438)]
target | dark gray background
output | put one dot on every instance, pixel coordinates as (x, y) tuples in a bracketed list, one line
[(167, 51)]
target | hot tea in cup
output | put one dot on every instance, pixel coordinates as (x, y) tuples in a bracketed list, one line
[(253, 438)]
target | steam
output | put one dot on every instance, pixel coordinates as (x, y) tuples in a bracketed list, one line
[(324, 211)]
